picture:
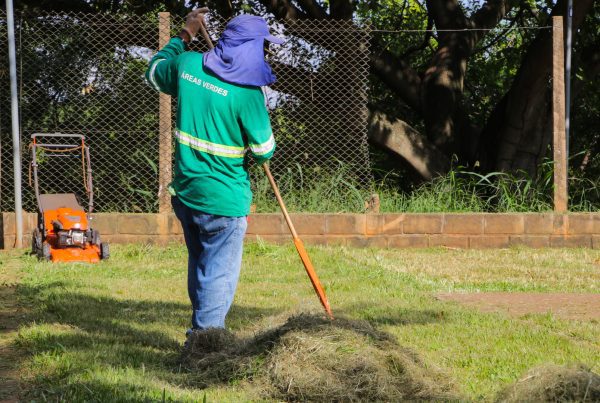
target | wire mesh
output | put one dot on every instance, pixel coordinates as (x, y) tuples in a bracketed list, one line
[(84, 74)]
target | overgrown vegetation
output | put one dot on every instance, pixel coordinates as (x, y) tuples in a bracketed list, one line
[(461, 190), (114, 331)]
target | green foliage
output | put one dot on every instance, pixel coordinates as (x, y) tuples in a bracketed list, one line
[(337, 190)]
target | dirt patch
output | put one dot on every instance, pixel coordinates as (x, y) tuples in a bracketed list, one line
[(563, 305), (553, 383), (310, 358)]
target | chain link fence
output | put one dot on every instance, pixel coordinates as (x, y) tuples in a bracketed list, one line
[(84, 74)]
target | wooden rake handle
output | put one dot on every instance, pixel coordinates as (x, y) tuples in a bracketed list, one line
[(314, 279)]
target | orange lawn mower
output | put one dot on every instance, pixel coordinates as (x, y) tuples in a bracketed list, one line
[(63, 233)]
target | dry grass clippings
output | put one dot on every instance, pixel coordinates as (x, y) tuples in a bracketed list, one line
[(312, 358), (554, 383)]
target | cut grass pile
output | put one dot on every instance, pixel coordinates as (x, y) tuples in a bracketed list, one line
[(553, 383), (310, 358), (114, 331)]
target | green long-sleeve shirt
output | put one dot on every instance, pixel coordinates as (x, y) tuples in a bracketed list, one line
[(217, 124)]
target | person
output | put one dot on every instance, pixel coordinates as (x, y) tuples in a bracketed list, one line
[(222, 120)]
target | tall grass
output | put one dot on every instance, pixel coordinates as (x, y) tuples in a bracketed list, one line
[(339, 190), (312, 190)]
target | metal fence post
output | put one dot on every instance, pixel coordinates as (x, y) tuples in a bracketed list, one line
[(164, 126), (558, 116), (16, 136)]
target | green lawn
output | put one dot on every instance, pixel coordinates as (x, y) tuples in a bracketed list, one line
[(113, 331)]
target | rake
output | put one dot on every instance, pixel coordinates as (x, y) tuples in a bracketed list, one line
[(308, 266)]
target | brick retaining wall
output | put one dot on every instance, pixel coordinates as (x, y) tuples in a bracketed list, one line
[(469, 230)]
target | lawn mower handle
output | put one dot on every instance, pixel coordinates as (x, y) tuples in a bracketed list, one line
[(87, 169)]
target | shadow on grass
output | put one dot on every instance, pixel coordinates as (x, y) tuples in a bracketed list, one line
[(91, 337), (90, 347), (383, 315)]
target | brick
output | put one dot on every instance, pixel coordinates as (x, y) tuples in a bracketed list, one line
[(374, 224), (314, 240), (579, 224), (164, 240), (489, 241), (8, 242), (463, 224), (138, 224), (452, 241), (345, 224), (393, 223), (423, 224), (532, 241), (336, 240), (356, 241), (504, 224), (539, 223), (309, 224), (174, 225), (274, 239), (128, 238), (561, 223), (596, 221), (174, 239), (408, 241), (571, 241), (9, 223), (105, 223), (376, 241), (266, 224), (29, 222)]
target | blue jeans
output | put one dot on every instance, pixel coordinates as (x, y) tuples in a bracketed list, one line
[(214, 246)]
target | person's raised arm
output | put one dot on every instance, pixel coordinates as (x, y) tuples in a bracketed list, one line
[(162, 70)]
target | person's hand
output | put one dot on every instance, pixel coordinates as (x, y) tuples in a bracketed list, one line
[(194, 20)]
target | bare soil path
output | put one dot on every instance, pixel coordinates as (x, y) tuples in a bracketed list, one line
[(562, 305)]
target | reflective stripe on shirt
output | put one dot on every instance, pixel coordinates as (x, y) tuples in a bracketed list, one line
[(263, 148), (210, 148), (151, 74)]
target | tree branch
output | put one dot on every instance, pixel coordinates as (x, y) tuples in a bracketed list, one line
[(446, 14), (398, 76), (402, 140), (424, 43), (341, 9), (223, 8), (283, 9), (489, 15), (313, 9)]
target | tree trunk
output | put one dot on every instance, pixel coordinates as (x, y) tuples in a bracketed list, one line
[(517, 134), (448, 127)]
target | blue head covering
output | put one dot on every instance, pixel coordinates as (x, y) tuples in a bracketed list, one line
[(239, 56)]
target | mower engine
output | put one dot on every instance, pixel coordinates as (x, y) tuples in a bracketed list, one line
[(71, 238), (70, 227)]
